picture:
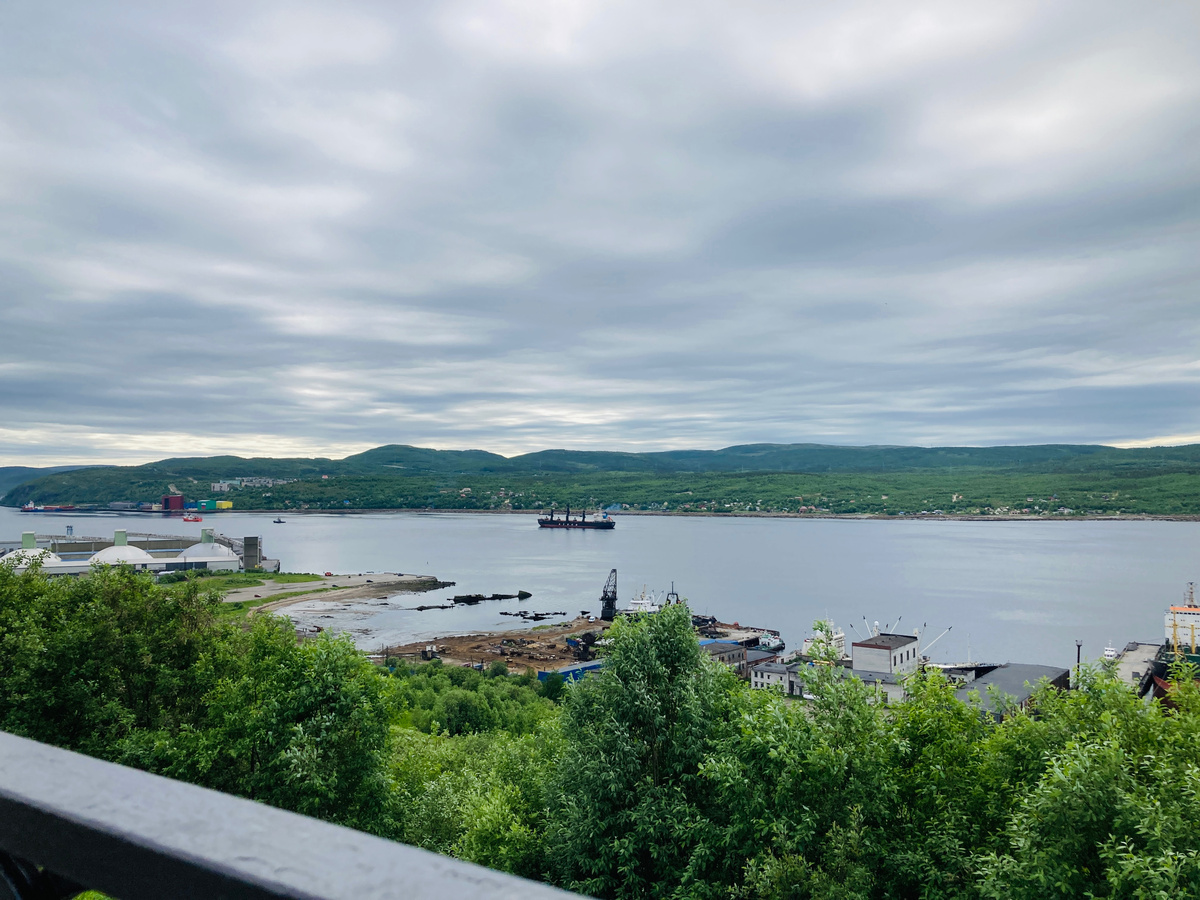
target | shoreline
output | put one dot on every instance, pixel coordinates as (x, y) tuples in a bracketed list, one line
[(744, 514), (334, 588)]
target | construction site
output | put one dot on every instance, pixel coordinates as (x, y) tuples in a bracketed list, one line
[(563, 646)]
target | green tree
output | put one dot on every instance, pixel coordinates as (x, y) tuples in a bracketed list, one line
[(1111, 810), (626, 807), (300, 726), (481, 797), (804, 794), (115, 666), (87, 662)]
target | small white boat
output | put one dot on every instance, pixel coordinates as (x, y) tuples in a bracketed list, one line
[(644, 604)]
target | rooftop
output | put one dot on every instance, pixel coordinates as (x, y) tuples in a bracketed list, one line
[(886, 641), (720, 646), (209, 550), (867, 676), (772, 667), (1016, 680), (122, 553)]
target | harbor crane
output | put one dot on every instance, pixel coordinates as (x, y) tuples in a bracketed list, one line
[(608, 598)]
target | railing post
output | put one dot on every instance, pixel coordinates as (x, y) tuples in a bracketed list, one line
[(138, 836)]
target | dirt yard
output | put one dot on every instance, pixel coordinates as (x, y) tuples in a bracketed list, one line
[(523, 649)]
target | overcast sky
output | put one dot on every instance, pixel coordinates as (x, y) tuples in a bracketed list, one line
[(308, 230)]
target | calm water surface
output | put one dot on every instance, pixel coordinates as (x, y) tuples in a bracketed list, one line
[(1019, 591)]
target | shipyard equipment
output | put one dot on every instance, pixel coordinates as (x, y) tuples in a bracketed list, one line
[(608, 598), (582, 647)]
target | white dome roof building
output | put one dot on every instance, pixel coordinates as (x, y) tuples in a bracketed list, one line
[(207, 551), (24, 557), (207, 554), (122, 554), (29, 553)]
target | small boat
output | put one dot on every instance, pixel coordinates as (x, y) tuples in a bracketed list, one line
[(644, 604), (192, 518), (279, 521), (769, 640)]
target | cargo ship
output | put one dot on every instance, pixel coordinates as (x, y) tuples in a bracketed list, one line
[(565, 521), (29, 507)]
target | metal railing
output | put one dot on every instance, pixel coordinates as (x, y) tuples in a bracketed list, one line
[(69, 822)]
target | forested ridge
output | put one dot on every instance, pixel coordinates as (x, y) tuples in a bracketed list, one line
[(663, 776), (797, 478)]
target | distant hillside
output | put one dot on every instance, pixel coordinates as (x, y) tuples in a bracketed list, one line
[(11, 476), (442, 468)]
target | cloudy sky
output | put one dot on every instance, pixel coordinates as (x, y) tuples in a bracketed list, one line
[(312, 229)]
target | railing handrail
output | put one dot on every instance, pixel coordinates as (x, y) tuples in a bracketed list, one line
[(139, 836)]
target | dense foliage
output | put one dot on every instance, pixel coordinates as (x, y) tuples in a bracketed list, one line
[(949, 492), (768, 478), (663, 776)]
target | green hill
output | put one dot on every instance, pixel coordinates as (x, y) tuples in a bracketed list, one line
[(11, 476), (766, 477)]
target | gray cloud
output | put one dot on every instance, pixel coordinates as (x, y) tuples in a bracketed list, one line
[(314, 229)]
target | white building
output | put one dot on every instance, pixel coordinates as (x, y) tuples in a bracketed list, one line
[(892, 654), (29, 553), (207, 554), (837, 640), (121, 553), (769, 675)]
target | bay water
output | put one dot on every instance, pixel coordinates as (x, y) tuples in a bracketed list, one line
[(1013, 591)]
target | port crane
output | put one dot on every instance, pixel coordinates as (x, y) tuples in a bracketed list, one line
[(608, 598)]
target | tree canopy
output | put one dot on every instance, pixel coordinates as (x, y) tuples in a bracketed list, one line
[(663, 776)]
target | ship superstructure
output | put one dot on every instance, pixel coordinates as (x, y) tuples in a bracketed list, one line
[(1183, 622), (581, 521)]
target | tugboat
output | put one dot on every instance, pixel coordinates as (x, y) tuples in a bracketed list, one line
[(192, 517), (549, 521)]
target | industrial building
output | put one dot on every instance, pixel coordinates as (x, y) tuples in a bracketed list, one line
[(996, 690), (884, 660), (894, 654), (69, 555), (731, 653)]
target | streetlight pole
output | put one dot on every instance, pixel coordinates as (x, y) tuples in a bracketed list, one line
[(1078, 652)]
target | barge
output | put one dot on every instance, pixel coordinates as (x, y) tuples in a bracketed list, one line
[(581, 521)]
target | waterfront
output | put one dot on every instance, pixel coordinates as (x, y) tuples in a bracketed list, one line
[(1020, 591)]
